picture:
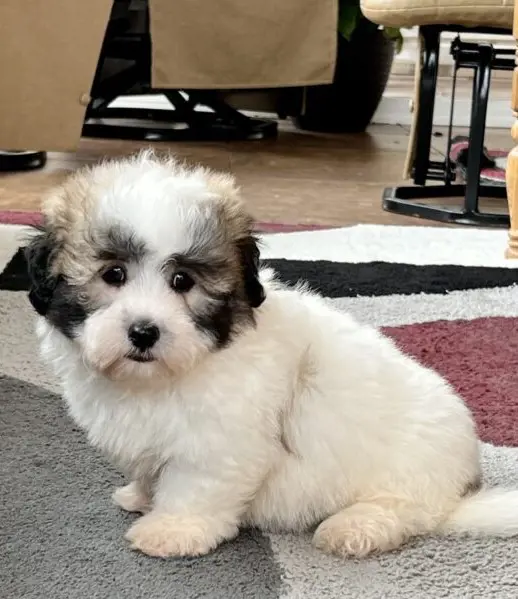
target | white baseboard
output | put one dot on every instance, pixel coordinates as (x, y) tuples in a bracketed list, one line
[(395, 110), (151, 102)]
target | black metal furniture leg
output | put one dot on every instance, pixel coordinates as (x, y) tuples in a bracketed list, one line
[(410, 200), (428, 84), (477, 129)]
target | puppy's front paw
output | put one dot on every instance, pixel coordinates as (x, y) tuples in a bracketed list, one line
[(166, 535), (131, 498)]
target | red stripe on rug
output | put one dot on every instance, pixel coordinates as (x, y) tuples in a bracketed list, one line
[(19, 217), (480, 360)]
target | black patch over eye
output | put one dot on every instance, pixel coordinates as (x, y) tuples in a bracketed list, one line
[(114, 276), (182, 282)]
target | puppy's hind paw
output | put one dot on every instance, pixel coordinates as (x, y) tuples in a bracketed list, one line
[(360, 530)]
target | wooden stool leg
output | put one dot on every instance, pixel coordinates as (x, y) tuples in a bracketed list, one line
[(512, 196), (512, 161)]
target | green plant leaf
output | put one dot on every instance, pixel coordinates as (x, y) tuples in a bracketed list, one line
[(348, 18), (394, 34)]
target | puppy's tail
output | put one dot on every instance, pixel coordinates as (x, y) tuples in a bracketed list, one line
[(488, 512)]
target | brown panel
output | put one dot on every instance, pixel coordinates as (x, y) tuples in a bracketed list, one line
[(48, 55), (242, 44)]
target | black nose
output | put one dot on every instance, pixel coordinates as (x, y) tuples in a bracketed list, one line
[(143, 335)]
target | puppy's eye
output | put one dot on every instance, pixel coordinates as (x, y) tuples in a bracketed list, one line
[(182, 282), (114, 276)]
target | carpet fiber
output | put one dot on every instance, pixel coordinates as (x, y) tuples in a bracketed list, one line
[(444, 295)]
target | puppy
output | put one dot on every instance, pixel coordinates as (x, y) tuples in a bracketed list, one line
[(229, 399)]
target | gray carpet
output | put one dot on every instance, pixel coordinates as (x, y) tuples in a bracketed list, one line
[(61, 538)]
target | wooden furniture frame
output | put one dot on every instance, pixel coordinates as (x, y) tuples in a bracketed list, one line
[(512, 160)]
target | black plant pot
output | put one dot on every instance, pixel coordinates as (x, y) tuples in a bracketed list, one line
[(362, 70)]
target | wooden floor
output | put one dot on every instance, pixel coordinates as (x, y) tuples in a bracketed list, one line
[(299, 178)]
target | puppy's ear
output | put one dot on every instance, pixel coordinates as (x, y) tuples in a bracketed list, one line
[(39, 255), (249, 253), (224, 188)]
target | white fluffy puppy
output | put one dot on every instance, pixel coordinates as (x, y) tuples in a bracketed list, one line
[(229, 399)]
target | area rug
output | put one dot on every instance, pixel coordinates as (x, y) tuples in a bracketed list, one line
[(445, 295)]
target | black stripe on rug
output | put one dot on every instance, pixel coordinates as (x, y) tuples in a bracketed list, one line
[(337, 279)]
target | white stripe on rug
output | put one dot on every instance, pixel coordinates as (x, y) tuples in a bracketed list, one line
[(398, 310), (11, 237), (408, 245), (361, 243)]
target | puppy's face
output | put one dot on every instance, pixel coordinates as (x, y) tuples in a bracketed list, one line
[(146, 266)]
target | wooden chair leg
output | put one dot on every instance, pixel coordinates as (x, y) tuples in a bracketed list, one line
[(512, 161), (512, 197)]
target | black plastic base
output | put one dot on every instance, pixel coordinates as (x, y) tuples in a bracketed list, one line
[(400, 201), (22, 161), (165, 125)]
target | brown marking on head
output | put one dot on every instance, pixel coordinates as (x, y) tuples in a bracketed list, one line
[(227, 241), (68, 214)]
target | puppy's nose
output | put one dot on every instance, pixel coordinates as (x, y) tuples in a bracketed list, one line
[(143, 335)]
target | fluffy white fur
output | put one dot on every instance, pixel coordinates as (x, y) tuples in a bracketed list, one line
[(307, 419)]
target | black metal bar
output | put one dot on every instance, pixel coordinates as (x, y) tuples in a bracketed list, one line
[(184, 109), (448, 165), (497, 65), (109, 90), (489, 30), (404, 200), (97, 80), (431, 40), (206, 127), (481, 83), (437, 171), (211, 99)]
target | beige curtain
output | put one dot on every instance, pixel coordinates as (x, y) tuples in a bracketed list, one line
[(49, 52), (243, 43)]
